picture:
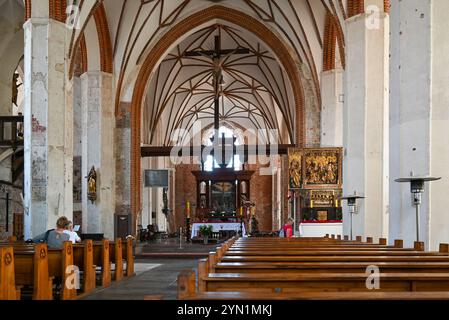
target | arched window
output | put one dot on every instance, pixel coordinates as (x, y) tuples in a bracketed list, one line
[(211, 162)]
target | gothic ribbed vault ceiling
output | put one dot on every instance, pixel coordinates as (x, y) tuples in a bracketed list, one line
[(256, 93)]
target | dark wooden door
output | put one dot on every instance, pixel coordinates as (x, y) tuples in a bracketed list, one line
[(18, 226), (121, 226)]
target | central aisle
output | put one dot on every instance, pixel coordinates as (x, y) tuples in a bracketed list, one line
[(153, 277)]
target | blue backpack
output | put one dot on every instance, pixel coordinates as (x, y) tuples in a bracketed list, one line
[(282, 233)]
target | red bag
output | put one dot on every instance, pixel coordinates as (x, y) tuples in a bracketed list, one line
[(288, 230)]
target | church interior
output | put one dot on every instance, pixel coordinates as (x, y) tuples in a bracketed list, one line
[(224, 149)]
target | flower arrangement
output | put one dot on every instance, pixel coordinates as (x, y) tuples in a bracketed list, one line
[(205, 231)]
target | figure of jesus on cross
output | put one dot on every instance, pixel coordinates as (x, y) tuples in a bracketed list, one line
[(218, 57)]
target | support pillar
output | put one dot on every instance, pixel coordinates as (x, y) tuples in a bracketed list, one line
[(365, 138), (123, 167), (419, 118), (332, 108), (48, 124), (98, 125)]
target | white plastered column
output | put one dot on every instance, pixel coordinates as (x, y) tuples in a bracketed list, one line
[(98, 124), (419, 118), (48, 123), (332, 108), (366, 107)]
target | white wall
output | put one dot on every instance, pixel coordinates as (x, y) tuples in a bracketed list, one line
[(332, 98)]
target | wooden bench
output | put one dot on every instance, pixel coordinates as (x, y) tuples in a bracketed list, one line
[(83, 258), (251, 266), (330, 267), (187, 291), (8, 289), (37, 266), (32, 269), (102, 260), (277, 283), (120, 250), (345, 296)]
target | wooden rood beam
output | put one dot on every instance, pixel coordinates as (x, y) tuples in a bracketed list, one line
[(147, 152)]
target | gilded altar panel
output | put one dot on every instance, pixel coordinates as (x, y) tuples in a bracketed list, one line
[(322, 168)]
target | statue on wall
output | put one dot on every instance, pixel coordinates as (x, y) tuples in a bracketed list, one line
[(92, 185), (15, 88), (294, 168), (165, 209)]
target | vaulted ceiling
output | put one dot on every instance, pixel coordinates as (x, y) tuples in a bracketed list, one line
[(257, 92)]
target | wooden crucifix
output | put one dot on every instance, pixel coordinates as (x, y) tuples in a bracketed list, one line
[(218, 57)]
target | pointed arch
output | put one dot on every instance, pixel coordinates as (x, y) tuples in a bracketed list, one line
[(104, 42), (158, 51), (57, 10), (355, 7), (329, 43), (81, 65), (104, 38), (27, 9)]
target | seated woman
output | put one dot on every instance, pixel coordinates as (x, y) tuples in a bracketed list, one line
[(288, 228), (72, 234), (55, 238)]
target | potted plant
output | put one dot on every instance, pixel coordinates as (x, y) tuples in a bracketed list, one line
[(206, 232)]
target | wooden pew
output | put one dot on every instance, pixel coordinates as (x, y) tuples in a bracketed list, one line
[(277, 283), (122, 249), (330, 267), (325, 252), (83, 258), (342, 259), (342, 296), (102, 259), (60, 265), (8, 289), (115, 252), (234, 273), (188, 291), (249, 267), (32, 268), (314, 248)]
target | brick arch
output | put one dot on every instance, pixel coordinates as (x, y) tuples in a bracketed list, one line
[(356, 7), (27, 9), (387, 6), (81, 65), (329, 43), (150, 63), (57, 10), (104, 41), (333, 35), (104, 38)]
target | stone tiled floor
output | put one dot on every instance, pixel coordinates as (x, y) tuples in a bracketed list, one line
[(153, 277), (174, 246)]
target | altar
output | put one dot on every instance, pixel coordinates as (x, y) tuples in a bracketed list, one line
[(218, 226), (320, 229)]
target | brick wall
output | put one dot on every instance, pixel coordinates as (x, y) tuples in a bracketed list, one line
[(185, 190), (261, 194)]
